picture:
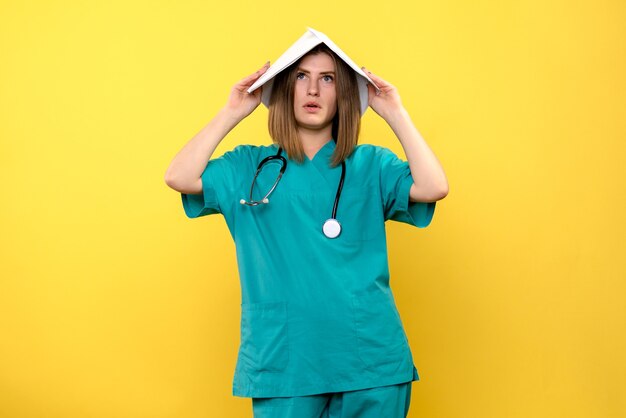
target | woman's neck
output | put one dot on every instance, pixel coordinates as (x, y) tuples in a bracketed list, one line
[(313, 141)]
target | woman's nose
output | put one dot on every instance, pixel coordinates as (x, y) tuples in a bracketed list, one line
[(312, 90)]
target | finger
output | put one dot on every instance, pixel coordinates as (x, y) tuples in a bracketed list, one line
[(375, 84), (379, 81), (248, 81), (256, 75)]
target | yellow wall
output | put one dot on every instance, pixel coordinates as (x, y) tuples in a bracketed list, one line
[(114, 304)]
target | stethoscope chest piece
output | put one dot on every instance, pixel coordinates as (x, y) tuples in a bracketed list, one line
[(332, 228)]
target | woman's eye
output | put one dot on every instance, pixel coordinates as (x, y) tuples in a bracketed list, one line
[(327, 78)]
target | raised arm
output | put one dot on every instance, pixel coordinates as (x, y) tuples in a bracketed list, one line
[(429, 179), (183, 173)]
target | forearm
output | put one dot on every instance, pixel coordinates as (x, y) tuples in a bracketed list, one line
[(428, 174), (188, 165)]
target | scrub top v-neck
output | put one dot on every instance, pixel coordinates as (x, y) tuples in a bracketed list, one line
[(317, 314)]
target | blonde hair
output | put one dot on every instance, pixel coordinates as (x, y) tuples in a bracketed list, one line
[(346, 123)]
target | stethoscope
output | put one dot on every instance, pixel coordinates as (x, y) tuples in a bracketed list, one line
[(331, 227)]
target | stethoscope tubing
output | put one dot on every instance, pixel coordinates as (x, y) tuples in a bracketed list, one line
[(283, 167), (339, 189), (332, 224)]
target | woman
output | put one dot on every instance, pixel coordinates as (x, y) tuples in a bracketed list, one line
[(320, 332)]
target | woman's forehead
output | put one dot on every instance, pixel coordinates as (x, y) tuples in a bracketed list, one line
[(320, 62)]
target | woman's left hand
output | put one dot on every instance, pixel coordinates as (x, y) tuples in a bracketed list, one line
[(386, 101)]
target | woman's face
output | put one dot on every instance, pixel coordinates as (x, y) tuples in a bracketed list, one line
[(315, 82)]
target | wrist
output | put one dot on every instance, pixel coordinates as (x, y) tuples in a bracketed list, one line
[(229, 117), (399, 115)]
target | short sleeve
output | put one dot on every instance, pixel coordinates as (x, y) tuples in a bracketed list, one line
[(395, 184), (219, 179)]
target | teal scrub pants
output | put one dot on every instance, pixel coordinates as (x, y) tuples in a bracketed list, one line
[(379, 402)]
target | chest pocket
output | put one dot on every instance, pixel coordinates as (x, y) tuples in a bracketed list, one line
[(360, 214)]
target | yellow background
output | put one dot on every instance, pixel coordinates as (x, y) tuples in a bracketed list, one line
[(114, 304)]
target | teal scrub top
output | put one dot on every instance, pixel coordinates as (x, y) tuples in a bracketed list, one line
[(317, 314)]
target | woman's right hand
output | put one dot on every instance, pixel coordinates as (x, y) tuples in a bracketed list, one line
[(241, 103)]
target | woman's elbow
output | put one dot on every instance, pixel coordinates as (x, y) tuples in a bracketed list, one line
[(443, 192), (194, 187), (170, 180), (430, 194)]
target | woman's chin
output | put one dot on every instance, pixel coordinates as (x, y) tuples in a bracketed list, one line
[(313, 126)]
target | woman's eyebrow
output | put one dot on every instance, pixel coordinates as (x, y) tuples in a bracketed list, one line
[(321, 72)]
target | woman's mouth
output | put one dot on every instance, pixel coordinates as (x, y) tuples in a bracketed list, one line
[(312, 107)]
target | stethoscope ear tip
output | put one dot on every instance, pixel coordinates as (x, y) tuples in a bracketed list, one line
[(266, 200), (242, 201)]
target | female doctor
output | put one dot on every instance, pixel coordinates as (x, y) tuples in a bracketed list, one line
[(320, 332)]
